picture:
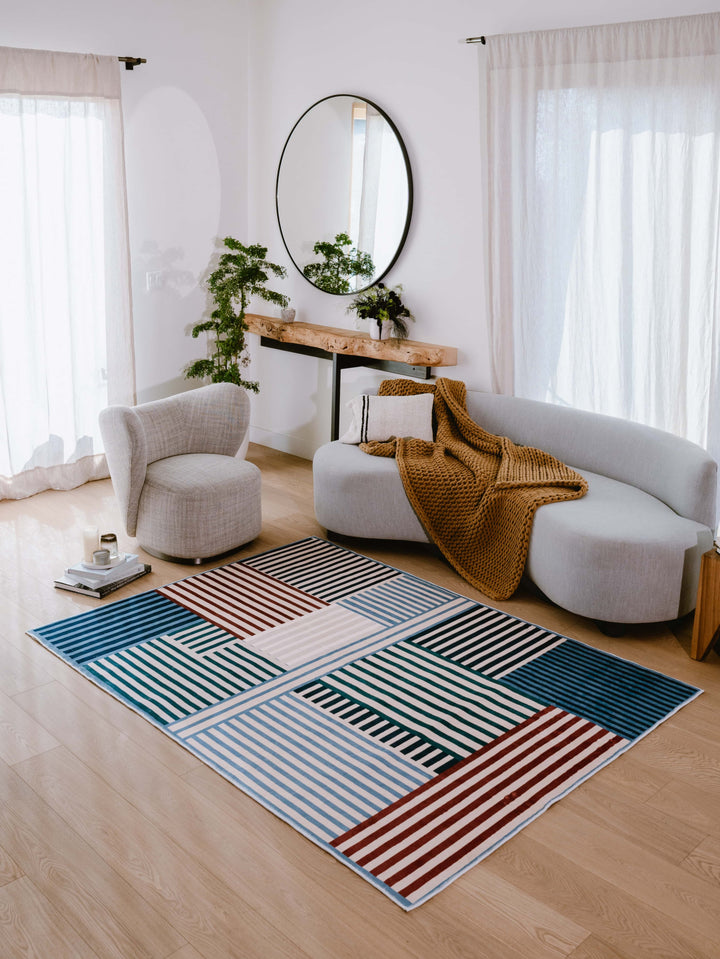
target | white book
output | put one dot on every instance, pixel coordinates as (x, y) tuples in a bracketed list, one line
[(126, 571), (85, 573), (65, 582)]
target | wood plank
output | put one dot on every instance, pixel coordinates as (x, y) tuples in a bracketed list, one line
[(181, 888), (19, 671), (116, 921), (616, 917), (665, 835), (594, 948), (627, 865), (683, 754), (22, 736), (704, 860), (32, 928), (334, 339), (9, 869), (696, 806), (188, 952), (524, 921), (635, 781)]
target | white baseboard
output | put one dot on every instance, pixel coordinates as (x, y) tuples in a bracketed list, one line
[(283, 442)]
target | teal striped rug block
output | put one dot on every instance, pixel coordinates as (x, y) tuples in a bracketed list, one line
[(403, 728)]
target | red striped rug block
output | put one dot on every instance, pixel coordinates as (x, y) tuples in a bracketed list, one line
[(241, 600), (443, 826)]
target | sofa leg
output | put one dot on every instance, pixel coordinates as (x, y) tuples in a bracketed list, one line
[(616, 630), (338, 537)]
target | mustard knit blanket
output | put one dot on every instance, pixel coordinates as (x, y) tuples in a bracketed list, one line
[(475, 493)]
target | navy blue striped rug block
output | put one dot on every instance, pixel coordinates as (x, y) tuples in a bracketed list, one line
[(404, 728)]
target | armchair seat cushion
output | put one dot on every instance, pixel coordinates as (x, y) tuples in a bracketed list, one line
[(360, 495), (199, 504)]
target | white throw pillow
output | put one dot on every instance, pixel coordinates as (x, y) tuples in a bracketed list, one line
[(380, 417)]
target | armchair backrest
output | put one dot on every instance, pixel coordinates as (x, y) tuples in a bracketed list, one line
[(211, 419)]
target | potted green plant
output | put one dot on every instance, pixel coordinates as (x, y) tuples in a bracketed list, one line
[(384, 310), (240, 274), (340, 263)]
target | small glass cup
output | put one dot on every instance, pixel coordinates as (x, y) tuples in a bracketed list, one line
[(109, 542)]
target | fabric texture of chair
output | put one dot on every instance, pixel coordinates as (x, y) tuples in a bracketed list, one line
[(183, 490)]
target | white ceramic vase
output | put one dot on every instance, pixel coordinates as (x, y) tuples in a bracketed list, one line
[(380, 331)]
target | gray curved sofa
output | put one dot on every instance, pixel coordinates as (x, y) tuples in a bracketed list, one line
[(627, 552)]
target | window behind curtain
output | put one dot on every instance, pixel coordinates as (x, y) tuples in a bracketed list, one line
[(65, 324), (604, 217)]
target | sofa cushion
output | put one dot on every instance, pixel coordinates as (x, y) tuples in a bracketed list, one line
[(618, 554), (361, 495)]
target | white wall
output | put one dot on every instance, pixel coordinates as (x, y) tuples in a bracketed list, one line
[(407, 56), (185, 143), (202, 157)]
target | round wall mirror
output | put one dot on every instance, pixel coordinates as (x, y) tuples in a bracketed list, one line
[(344, 194)]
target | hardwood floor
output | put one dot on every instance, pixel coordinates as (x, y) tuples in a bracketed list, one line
[(116, 843)]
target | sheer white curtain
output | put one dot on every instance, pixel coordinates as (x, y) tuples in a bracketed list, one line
[(66, 346), (604, 219)]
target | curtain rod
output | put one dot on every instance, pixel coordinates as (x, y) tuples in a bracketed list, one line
[(131, 62), (475, 40)]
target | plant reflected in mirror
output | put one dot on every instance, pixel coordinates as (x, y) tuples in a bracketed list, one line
[(340, 264)]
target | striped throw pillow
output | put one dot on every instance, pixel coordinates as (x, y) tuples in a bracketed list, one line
[(380, 417)]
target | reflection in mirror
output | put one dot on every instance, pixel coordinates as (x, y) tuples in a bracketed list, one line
[(344, 194)]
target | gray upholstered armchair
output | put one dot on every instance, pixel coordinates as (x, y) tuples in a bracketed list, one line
[(183, 491)]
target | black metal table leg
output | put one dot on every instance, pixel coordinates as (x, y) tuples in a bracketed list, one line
[(336, 385)]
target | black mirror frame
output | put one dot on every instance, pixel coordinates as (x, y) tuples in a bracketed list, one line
[(408, 171)]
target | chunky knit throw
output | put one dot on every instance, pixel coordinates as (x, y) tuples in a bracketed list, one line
[(475, 493)]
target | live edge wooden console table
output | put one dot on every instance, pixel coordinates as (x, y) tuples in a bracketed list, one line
[(348, 348)]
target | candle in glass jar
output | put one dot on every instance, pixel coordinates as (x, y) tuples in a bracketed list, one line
[(91, 541)]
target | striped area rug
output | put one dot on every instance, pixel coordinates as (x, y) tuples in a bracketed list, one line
[(405, 729)]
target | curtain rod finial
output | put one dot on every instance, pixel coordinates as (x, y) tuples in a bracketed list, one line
[(131, 62), (476, 40)]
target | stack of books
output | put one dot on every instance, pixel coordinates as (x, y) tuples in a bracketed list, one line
[(93, 580)]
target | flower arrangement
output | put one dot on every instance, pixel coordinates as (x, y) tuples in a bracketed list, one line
[(382, 304)]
